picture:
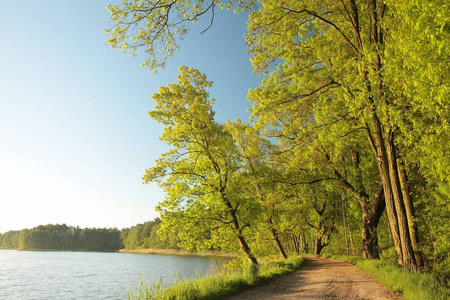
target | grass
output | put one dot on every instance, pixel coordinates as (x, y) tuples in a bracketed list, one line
[(413, 286), (219, 285)]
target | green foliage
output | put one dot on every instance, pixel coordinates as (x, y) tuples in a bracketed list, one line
[(418, 51), (436, 230), (145, 236), (204, 205), (10, 240), (219, 285)]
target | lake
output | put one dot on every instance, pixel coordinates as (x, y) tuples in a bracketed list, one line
[(91, 275)]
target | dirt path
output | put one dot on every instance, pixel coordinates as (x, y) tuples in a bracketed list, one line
[(321, 278)]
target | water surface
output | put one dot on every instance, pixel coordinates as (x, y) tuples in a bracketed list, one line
[(89, 275)]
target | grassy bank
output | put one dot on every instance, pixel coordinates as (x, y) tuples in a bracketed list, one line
[(179, 252), (414, 286), (219, 285)]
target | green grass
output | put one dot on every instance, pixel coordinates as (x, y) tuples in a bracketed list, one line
[(219, 285), (413, 286)]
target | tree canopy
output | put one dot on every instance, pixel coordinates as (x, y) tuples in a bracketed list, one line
[(349, 129)]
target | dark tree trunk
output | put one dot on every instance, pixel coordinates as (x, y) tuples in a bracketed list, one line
[(370, 218), (318, 247), (295, 242), (323, 231), (370, 236), (305, 248), (371, 249)]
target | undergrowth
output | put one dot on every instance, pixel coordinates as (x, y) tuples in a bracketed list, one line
[(219, 285)]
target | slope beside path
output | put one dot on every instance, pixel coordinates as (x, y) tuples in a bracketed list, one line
[(321, 278)]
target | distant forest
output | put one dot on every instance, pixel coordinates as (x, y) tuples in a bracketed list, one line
[(64, 237)]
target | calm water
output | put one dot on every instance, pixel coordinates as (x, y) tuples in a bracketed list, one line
[(90, 275)]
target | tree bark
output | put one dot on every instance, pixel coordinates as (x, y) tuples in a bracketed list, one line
[(276, 239), (377, 142), (370, 218), (305, 248), (238, 231), (375, 135), (371, 249), (390, 172), (323, 231), (295, 242), (318, 246), (408, 258), (246, 249), (413, 232)]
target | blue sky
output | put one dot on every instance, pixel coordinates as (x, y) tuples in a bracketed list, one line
[(75, 137)]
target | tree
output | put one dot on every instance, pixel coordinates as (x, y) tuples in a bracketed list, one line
[(200, 173), (133, 240), (418, 51), (253, 150), (334, 53)]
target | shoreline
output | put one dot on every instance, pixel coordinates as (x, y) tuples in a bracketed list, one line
[(180, 252)]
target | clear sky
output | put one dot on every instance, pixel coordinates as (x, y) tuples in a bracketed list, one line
[(75, 137)]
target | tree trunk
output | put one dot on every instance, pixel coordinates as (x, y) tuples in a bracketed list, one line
[(295, 242), (370, 241), (344, 223), (377, 143), (413, 232), (383, 145), (238, 231), (380, 143), (370, 218), (370, 224), (318, 246), (246, 249), (305, 248), (408, 258), (276, 239)]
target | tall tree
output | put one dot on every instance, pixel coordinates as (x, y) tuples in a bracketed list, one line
[(334, 52), (200, 174)]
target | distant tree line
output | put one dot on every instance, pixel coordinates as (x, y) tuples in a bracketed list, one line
[(64, 237)]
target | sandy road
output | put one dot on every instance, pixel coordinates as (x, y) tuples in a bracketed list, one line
[(321, 278)]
